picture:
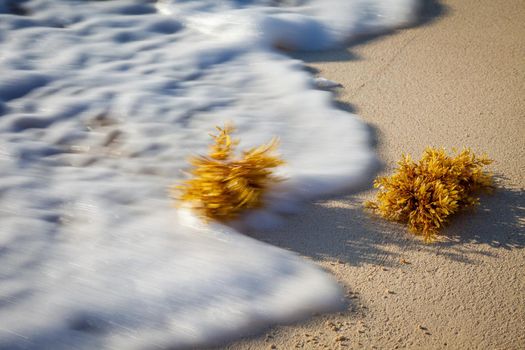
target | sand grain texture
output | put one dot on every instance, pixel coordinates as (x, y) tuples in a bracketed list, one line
[(457, 80)]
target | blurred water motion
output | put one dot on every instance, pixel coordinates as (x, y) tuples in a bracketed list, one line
[(101, 105)]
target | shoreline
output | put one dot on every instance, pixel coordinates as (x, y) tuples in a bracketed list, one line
[(457, 80)]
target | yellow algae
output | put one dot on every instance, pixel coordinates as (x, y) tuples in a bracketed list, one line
[(223, 185), (424, 194)]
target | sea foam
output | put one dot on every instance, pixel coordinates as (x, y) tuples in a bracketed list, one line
[(101, 103)]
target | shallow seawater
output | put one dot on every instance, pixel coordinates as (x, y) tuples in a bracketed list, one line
[(101, 103)]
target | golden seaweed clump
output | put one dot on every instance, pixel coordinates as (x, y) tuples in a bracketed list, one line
[(222, 185), (424, 194)]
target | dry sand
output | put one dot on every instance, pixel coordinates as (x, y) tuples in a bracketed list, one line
[(457, 79)]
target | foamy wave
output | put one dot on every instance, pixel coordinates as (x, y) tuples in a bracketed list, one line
[(100, 105)]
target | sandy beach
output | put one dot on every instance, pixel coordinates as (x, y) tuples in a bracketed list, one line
[(121, 228), (455, 80)]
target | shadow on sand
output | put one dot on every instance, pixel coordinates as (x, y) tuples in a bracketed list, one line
[(429, 12), (344, 231)]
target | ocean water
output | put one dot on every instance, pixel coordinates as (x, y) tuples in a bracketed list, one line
[(101, 103)]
